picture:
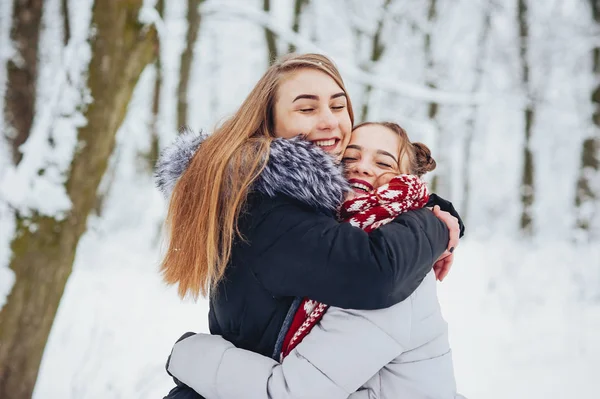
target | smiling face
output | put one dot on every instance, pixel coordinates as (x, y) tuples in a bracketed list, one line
[(372, 158), (311, 103)]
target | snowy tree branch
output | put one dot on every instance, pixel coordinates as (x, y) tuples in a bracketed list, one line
[(149, 15), (348, 69)]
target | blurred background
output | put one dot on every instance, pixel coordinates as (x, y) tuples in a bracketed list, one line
[(505, 92)]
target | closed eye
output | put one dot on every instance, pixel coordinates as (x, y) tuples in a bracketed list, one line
[(385, 165)]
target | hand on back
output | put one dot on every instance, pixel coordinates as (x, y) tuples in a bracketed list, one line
[(444, 262)]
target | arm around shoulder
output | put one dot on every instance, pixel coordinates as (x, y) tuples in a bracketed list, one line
[(303, 253)]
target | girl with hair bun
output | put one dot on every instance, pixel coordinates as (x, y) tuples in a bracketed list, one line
[(329, 352)]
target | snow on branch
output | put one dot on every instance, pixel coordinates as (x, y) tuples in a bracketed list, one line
[(37, 183), (149, 15), (347, 68)]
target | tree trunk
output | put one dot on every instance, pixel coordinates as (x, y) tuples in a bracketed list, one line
[(270, 36), (43, 248), (587, 194), (22, 71), (377, 50), (194, 19), (66, 21), (527, 178), (152, 155), (298, 7), (470, 124), (432, 107)]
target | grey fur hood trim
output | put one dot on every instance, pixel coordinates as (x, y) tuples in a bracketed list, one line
[(296, 168), (175, 158)]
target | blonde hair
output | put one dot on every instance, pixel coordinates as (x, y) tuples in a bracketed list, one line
[(202, 220)]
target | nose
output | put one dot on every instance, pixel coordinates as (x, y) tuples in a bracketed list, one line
[(362, 168), (327, 120)]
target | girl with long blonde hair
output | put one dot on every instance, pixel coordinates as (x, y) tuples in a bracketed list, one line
[(399, 352), (252, 207)]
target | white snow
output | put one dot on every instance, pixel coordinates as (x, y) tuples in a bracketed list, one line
[(523, 322), (523, 313), (7, 225), (523, 319)]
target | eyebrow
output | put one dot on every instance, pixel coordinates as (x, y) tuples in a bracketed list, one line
[(380, 152), (314, 97)]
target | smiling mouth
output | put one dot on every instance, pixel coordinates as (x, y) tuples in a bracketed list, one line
[(360, 186), (327, 145)]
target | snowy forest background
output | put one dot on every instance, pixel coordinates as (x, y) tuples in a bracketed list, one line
[(505, 92)]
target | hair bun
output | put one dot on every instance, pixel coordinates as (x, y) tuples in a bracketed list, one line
[(424, 162)]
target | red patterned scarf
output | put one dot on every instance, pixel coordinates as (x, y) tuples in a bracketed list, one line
[(403, 193)]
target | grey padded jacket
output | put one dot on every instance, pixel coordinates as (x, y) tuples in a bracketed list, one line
[(398, 352)]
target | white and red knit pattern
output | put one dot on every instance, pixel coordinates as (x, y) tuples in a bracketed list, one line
[(403, 193), (310, 320)]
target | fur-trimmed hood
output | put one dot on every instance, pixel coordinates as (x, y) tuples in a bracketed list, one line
[(296, 168)]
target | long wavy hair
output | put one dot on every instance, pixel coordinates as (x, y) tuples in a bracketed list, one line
[(207, 199)]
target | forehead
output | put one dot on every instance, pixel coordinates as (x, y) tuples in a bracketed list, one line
[(376, 137), (307, 81)]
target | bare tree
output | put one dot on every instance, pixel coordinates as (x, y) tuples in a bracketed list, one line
[(160, 8), (22, 69), (194, 20), (66, 21), (299, 6), (433, 107), (270, 36), (377, 50), (42, 258), (152, 155), (527, 178), (587, 194), (470, 123)]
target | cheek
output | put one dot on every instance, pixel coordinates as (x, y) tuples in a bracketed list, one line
[(385, 178), (303, 124), (345, 129), (288, 126)]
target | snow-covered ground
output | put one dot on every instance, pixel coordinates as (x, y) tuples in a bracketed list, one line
[(522, 325), (523, 314)]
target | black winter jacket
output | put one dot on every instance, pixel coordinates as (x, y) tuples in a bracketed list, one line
[(294, 251), (294, 247)]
